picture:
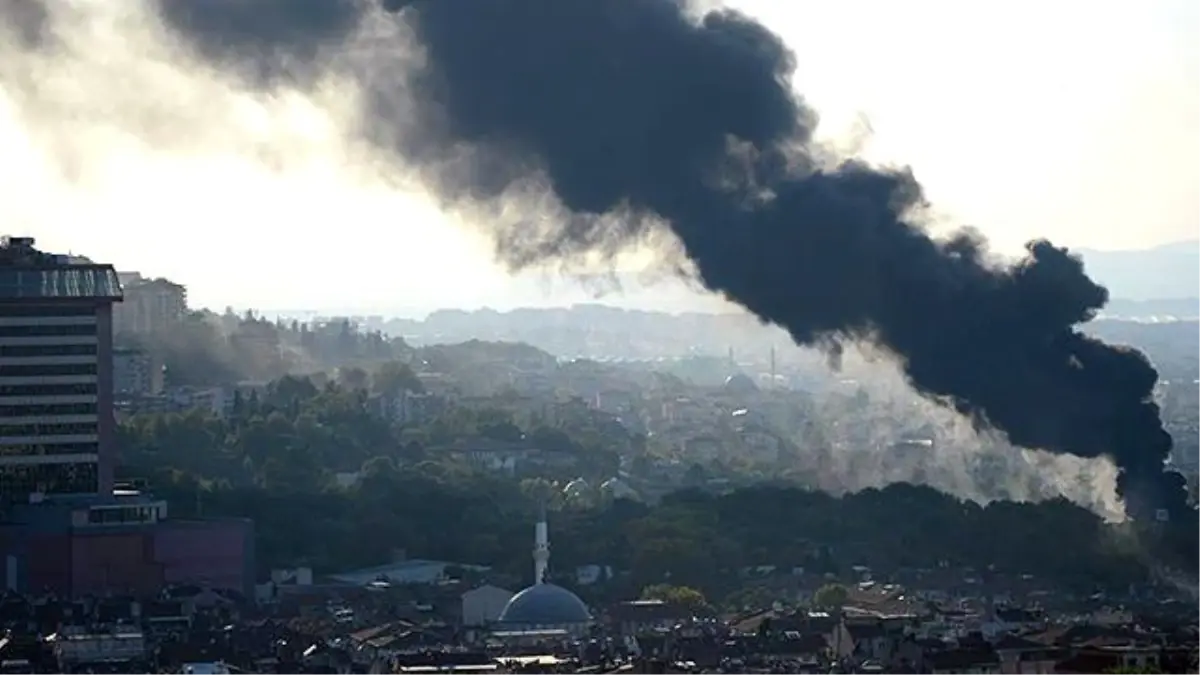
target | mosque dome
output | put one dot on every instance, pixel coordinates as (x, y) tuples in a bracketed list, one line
[(545, 605)]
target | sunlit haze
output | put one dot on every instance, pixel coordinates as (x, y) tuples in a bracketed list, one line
[(1074, 121)]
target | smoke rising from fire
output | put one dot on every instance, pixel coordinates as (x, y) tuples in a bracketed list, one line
[(581, 126)]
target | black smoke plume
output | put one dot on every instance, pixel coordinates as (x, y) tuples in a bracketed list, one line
[(658, 113)]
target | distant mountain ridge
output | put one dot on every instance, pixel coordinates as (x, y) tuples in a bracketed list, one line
[(1163, 281), (1167, 272)]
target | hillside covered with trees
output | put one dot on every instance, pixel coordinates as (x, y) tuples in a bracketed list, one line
[(275, 458)]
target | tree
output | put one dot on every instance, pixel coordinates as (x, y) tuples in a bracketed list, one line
[(277, 459), (682, 596), (831, 596), (394, 377), (209, 349), (382, 466), (352, 378)]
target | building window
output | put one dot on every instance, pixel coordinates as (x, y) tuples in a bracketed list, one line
[(47, 410), (20, 309), (49, 429), (19, 481), (48, 370), (82, 389), (120, 514), (19, 351), (48, 330), (41, 449)]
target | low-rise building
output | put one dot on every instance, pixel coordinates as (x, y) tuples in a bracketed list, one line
[(973, 659), (121, 542), (411, 571), (647, 616)]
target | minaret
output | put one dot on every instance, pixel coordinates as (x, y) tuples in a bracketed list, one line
[(772, 366), (541, 547)]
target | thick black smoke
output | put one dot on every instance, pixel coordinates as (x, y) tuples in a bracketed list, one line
[(645, 108)]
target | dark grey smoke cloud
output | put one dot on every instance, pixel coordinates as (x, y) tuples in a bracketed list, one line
[(645, 108), (264, 40), (27, 21)]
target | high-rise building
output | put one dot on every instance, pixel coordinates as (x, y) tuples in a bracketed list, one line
[(66, 528), (56, 411)]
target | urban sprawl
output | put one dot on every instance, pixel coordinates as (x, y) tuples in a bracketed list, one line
[(582, 489)]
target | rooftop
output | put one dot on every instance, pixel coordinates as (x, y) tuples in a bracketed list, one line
[(29, 274), (402, 571)]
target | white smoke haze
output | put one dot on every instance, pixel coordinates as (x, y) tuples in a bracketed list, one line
[(116, 123), (980, 465)]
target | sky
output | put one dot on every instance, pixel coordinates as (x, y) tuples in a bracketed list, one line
[(1078, 122)]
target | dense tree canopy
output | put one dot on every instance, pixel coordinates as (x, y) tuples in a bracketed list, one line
[(683, 596), (276, 457), (831, 596), (206, 348)]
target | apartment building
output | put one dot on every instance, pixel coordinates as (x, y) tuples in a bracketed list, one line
[(136, 373), (149, 305)]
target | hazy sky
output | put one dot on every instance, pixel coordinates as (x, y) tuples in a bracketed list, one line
[(1072, 120)]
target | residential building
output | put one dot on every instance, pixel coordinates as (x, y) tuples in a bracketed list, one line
[(635, 617), (150, 305), (976, 659), (403, 571), (505, 457), (78, 647), (135, 373), (406, 407), (56, 421), (1021, 655)]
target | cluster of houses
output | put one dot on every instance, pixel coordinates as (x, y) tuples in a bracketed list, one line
[(357, 625)]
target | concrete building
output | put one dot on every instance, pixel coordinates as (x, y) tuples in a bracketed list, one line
[(56, 421), (409, 571), (135, 373), (123, 542), (150, 306)]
